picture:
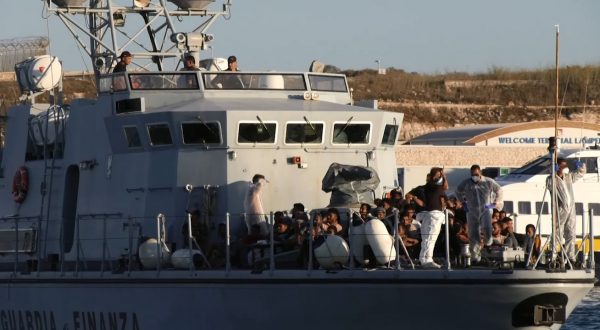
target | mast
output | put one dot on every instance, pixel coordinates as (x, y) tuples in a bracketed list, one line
[(554, 154), (146, 28)]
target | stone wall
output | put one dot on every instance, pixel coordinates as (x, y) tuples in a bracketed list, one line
[(465, 156)]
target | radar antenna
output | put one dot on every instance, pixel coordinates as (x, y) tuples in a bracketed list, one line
[(146, 28)]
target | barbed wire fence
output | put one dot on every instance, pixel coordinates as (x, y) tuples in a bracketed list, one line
[(13, 51)]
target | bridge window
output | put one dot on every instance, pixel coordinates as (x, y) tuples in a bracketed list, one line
[(160, 134), (390, 134), (201, 133), (305, 133), (509, 207), (345, 133), (578, 208), (591, 163), (326, 83), (132, 136), (595, 207), (257, 132), (538, 206), (171, 81), (524, 207)]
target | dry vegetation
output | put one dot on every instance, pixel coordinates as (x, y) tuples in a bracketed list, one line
[(435, 101)]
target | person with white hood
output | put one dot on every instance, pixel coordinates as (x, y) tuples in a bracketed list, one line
[(482, 195), (253, 207), (566, 202)]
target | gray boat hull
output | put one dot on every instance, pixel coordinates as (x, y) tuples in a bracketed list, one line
[(379, 299)]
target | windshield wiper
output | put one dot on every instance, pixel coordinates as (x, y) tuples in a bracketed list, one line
[(208, 128), (344, 128), (264, 126)]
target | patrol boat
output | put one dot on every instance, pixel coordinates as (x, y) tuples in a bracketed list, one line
[(96, 193)]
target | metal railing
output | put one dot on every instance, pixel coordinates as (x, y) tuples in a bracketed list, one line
[(97, 240)]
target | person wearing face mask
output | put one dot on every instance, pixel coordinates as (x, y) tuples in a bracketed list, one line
[(482, 195), (566, 202), (433, 216)]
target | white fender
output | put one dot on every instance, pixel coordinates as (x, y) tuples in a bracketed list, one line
[(181, 258), (380, 241), (358, 241), (332, 252)]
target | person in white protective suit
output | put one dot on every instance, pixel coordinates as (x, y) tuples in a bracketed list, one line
[(253, 207), (566, 202), (481, 195)]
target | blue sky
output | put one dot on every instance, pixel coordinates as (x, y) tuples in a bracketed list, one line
[(432, 36)]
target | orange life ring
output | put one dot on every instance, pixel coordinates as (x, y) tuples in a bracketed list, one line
[(20, 185)]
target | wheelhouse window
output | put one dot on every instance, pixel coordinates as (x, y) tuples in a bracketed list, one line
[(325, 83), (201, 133), (524, 208), (578, 208), (390, 134), (509, 207), (538, 166), (160, 134), (348, 133), (257, 132), (172, 81), (538, 206), (132, 136), (594, 207), (304, 133)]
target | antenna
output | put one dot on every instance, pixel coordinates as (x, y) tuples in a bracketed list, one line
[(149, 29)]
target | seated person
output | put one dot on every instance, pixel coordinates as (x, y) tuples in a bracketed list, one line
[(413, 245), (532, 244), (463, 234), (381, 215), (497, 236), (411, 226), (507, 231), (332, 222), (285, 233)]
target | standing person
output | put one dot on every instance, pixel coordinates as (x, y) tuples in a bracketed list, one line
[(433, 216), (481, 195), (125, 60), (189, 64), (566, 202), (253, 206), (232, 64)]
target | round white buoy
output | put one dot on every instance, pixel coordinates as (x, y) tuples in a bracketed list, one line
[(332, 252), (148, 254), (181, 258), (358, 241)]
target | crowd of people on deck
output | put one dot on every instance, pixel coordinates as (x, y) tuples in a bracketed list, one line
[(476, 222)]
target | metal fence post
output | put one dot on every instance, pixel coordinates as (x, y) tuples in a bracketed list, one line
[(272, 243), (190, 249), (227, 245), (16, 268), (592, 262), (447, 232), (397, 239)]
